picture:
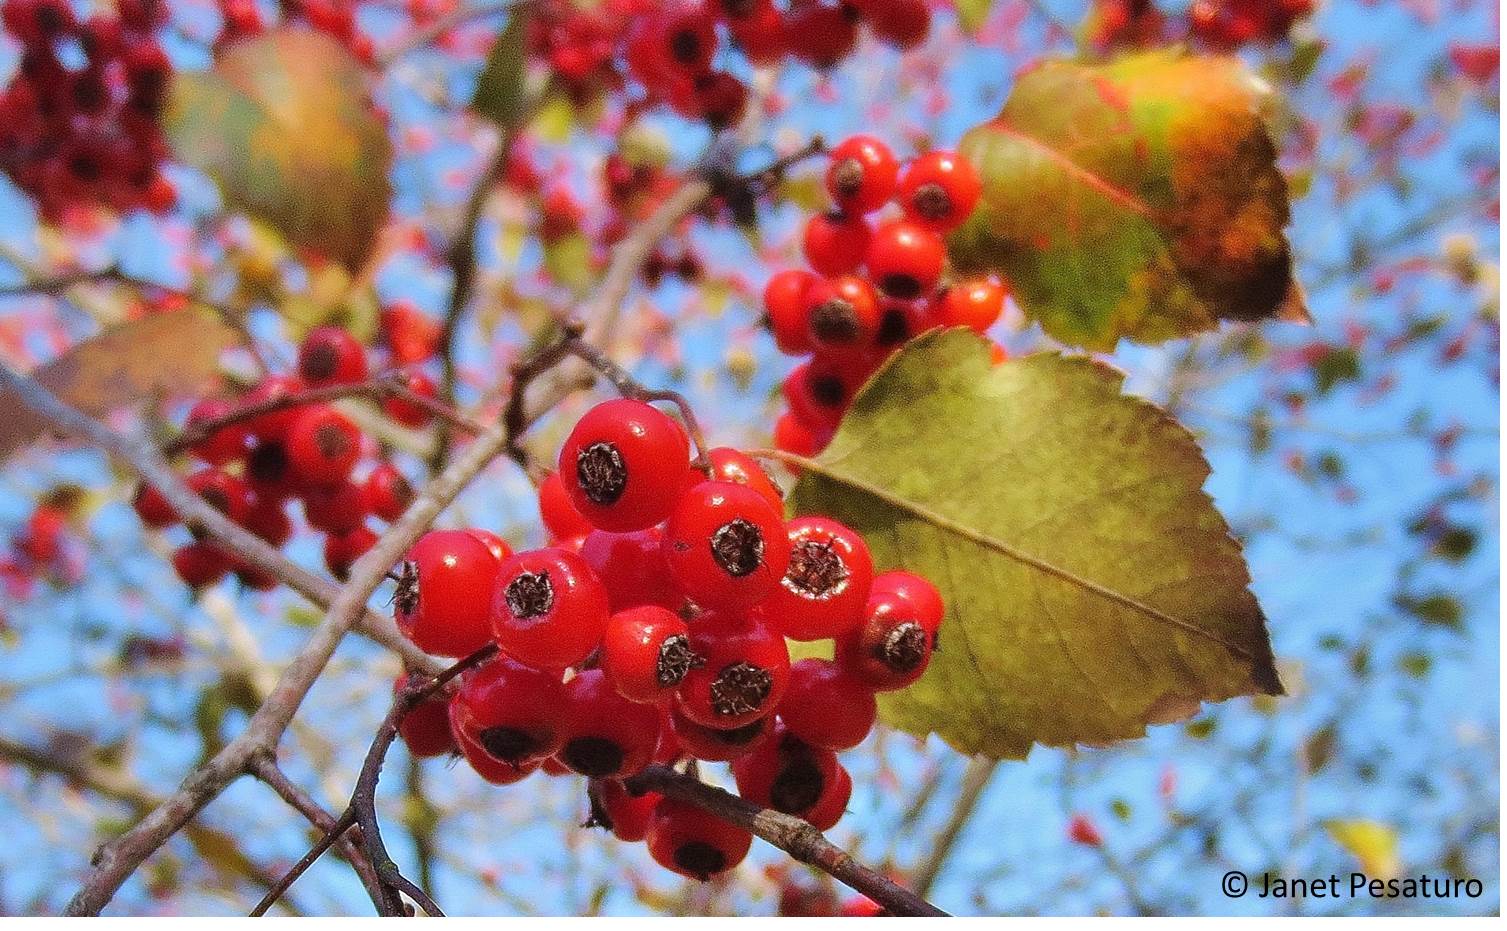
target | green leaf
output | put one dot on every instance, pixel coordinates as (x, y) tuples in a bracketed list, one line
[(284, 126), (973, 13), (502, 94), (1091, 586), (1137, 199)]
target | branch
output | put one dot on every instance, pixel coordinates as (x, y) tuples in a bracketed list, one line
[(787, 832)]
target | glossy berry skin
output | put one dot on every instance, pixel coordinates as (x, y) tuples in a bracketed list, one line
[(560, 517), (426, 728), (975, 304), (514, 713), (787, 774), (607, 735), (624, 814), (495, 545), (273, 424), (717, 745), (200, 564), (632, 568), (826, 584), (833, 803), (548, 609), (338, 508), (487, 766), (939, 190), (406, 412), (842, 313), (836, 243), (224, 445), (646, 653), (224, 492), (330, 355), (861, 174), (916, 590), (786, 312), (731, 465), (905, 259), (726, 545), (744, 672), (153, 509), (826, 707), (441, 602), (891, 649), (323, 446), (342, 550), (387, 492), (621, 464), (693, 843)]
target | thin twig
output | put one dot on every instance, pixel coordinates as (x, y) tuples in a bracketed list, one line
[(975, 780)]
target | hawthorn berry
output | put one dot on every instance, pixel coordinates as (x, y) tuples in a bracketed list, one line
[(548, 608), (410, 413), (337, 508), (903, 24), (717, 744), (826, 707), (693, 842), (495, 545), (822, 35), (891, 649), (758, 28), (793, 435), (221, 446), (826, 583), (726, 545), (342, 550), (323, 446), (621, 463), (836, 243), (861, 175), (916, 590), (224, 492), (787, 774), (269, 521), (646, 653), (425, 729), (200, 564), (743, 674), (842, 313), (632, 568), (153, 509), (939, 190), (624, 814), (731, 465), (607, 735), (833, 803), (513, 712), (975, 304), (483, 763), (905, 259), (441, 600), (273, 425), (330, 355), (388, 493), (559, 515), (786, 311)]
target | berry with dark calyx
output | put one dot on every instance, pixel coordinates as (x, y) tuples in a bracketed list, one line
[(826, 583), (919, 592), (786, 311), (269, 520), (338, 508), (842, 313), (836, 243), (900, 320), (975, 304), (425, 729), (731, 465), (861, 174), (624, 814), (548, 609), (632, 568), (607, 735), (817, 393), (330, 355), (441, 601), (833, 804), (744, 671), (939, 190), (560, 517), (153, 509), (726, 545), (514, 713), (224, 445), (200, 564), (892, 649), (269, 471), (224, 492), (822, 35), (720, 99), (495, 545), (487, 766), (715, 744), (758, 28), (387, 491), (786, 774), (273, 424), (693, 842), (342, 550), (621, 464), (826, 707), (410, 413), (676, 42), (904, 259), (646, 653), (323, 446)]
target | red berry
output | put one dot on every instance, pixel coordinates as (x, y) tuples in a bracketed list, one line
[(717, 745), (816, 394), (342, 550), (269, 520), (842, 314), (671, 44), (224, 445), (621, 464), (337, 509), (548, 608), (826, 707), (726, 545), (274, 424), (719, 99), (833, 804), (632, 568), (387, 492), (975, 304), (270, 472), (901, 23), (892, 648), (153, 508), (787, 774), (759, 29), (441, 602), (918, 591), (406, 412), (487, 766), (861, 175), (786, 311), (560, 517), (836, 243), (822, 35), (646, 653), (200, 564), (939, 190), (730, 465), (495, 545), (826, 584), (514, 713), (694, 843), (330, 355), (323, 446), (624, 814), (793, 435), (224, 492), (426, 727), (745, 669), (905, 259), (608, 735)]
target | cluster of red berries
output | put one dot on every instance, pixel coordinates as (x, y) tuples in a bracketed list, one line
[(874, 285), (1229, 24), (242, 19), (86, 134), (654, 629), (254, 464), (670, 47)]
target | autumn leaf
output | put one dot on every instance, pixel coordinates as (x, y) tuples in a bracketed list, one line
[(1092, 587), (163, 354), (284, 126), (502, 94), (1373, 844), (1136, 199)]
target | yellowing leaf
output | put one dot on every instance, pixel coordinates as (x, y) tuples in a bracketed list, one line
[(284, 126), (1091, 586), (1136, 199), (973, 13), (163, 354), (502, 94), (1373, 844)]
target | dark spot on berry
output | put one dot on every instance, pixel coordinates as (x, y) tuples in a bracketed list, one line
[(531, 594), (741, 688), (508, 744), (827, 390), (816, 570), (601, 472), (740, 736), (406, 597), (932, 201), (593, 756), (319, 362), (894, 328), (738, 547), (267, 463), (332, 442), (675, 661), (700, 859), (834, 321), (798, 786), (737, 9), (85, 167), (847, 177), (685, 46), (903, 648), (902, 286)]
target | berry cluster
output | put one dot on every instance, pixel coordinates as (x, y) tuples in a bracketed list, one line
[(242, 19), (254, 463), (873, 285), (654, 628), (86, 134), (1228, 24)]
